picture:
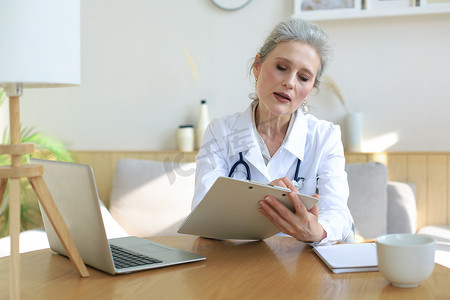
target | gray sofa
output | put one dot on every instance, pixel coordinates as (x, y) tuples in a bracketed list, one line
[(152, 198), (380, 206)]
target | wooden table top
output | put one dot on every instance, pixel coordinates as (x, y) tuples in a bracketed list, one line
[(277, 268)]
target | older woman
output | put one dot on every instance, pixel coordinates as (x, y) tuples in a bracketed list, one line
[(276, 141)]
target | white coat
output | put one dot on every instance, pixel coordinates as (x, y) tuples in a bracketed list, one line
[(315, 142)]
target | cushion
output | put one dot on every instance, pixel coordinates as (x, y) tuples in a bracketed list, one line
[(151, 198), (402, 210), (368, 198)]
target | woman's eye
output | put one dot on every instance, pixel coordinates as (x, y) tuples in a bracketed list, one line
[(281, 68), (303, 78)]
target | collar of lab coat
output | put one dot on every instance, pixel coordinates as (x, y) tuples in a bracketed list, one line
[(245, 140), (296, 141)]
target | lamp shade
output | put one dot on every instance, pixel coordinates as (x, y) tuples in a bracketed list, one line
[(40, 42)]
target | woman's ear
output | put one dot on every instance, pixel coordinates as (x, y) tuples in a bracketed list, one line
[(257, 65)]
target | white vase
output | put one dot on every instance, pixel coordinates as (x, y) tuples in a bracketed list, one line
[(353, 132)]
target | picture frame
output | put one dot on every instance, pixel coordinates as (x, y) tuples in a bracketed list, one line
[(319, 7), (435, 3), (389, 4)]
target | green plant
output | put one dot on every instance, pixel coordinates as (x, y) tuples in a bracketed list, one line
[(46, 147), (2, 96)]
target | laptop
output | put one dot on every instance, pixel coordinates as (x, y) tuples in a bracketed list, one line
[(74, 192)]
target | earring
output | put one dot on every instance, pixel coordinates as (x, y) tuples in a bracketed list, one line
[(304, 106)]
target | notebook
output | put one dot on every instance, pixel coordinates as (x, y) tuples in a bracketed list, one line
[(230, 210), (74, 192), (346, 258)]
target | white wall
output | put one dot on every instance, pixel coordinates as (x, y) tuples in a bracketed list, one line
[(137, 85), (396, 71)]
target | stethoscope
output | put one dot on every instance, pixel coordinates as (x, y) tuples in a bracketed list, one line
[(298, 181)]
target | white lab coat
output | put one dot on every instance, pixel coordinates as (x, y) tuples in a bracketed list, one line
[(315, 142)]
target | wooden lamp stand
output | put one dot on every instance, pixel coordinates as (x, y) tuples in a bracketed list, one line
[(34, 174)]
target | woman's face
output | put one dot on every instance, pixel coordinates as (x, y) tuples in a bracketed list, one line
[(286, 77)]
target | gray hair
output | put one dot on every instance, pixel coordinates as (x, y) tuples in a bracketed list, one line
[(305, 32)]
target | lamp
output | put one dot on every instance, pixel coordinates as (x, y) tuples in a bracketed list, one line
[(39, 47)]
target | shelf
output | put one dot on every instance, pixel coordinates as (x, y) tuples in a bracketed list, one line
[(374, 13)]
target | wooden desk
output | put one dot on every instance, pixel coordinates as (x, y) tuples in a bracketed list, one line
[(279, 268)]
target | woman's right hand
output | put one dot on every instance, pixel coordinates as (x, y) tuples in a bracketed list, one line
[(303, 224)]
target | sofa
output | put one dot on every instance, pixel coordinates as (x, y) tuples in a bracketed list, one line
[(152, 198), (379, 206)]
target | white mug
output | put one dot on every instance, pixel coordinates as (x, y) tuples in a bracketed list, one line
[(405, 260)]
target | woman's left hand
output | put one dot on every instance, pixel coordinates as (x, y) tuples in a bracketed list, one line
[(303, 224)]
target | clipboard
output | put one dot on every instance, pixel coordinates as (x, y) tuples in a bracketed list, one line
[(230, 210)]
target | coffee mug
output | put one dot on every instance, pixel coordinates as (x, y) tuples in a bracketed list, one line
[(405, 260)]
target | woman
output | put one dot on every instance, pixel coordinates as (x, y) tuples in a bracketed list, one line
[(280, 143)]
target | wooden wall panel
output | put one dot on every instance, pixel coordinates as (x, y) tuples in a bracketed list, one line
[(355, 158), (379, 157), (430, 172), (437, 189), (398, 167), (417, 174)]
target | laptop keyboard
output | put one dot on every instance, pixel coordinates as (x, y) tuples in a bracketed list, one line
[(126, 259)]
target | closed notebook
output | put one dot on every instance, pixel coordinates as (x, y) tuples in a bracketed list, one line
[(346, 258)]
